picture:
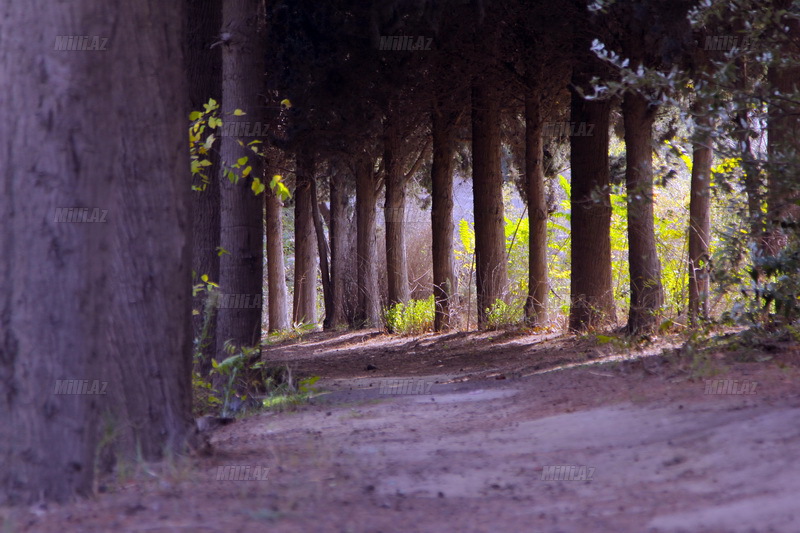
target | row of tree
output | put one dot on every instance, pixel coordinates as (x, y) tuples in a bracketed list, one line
[(109, 302)]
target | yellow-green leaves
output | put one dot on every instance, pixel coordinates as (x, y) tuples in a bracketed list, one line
[(257, 186), (279, 188)]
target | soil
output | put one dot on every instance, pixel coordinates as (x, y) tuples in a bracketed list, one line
[(501, 431)]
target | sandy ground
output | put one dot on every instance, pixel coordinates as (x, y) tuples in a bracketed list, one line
[(481, 432)]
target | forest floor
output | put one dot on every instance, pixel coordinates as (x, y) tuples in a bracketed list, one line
[(465, 432)]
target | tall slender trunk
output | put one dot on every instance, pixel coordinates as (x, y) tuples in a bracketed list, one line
[(490, 251), (647, 293), (338, 238), (324, 253), (536, 302), (368, 312), (204, 68), (592, 299), (394, 212), (278, 302), (783, 147), (305, 268), (700, 216), (241, 220), (445, 281)]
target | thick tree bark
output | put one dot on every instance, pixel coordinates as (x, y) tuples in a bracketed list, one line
[(78, 299), (784, 153), (536, 303), (54, 279), (305, 263), (592, 299), (647, 293), (204, 67), (394, 212), (324, 253), (368, 312), (241, 220), (278, 296), (445, 281), (490, 250), (783, 142), (338, 237), (700, 217)]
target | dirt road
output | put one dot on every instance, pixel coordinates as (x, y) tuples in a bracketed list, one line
[(594, 448)]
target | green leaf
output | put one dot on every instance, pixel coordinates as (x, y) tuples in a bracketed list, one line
[(246, 171), (194, 115), (283, 192), (257, 186), (241, 161), (238, 113), (467, 235), (221, 251)]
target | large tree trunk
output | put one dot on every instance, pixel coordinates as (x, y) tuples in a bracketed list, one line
[(536, 303), (394, 213), (338, 237), (592, 299), (647, 294), (278, 302), (700, 216), (324, 252), (54, 281), (784, 156), (368, 312), (490, 250), (305, 264), (445, 281), (204, 67), (78, 297), (241, 221), (783, 141)]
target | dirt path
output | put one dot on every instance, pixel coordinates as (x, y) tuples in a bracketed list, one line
[(628, 447)]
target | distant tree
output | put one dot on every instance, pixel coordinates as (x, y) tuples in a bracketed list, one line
[(592, 299), (204, 68)]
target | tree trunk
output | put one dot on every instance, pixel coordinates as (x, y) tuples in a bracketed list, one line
[(536, 303), (278, 303), (368, 312), (394, 213), (592, 299), (55, 289), (445, 281), (783, 147), (305, 267), (490, 250), (647, 294), (700, 217), (324, 252), (241, 221), (78, 296), (338, 237), (204, 67)]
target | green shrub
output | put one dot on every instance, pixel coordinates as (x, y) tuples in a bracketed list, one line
[(502, 315), (411, 318)]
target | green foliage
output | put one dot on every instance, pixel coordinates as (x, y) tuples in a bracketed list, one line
[(201, 142), (411, 318), (233, 370), (502, 315)]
